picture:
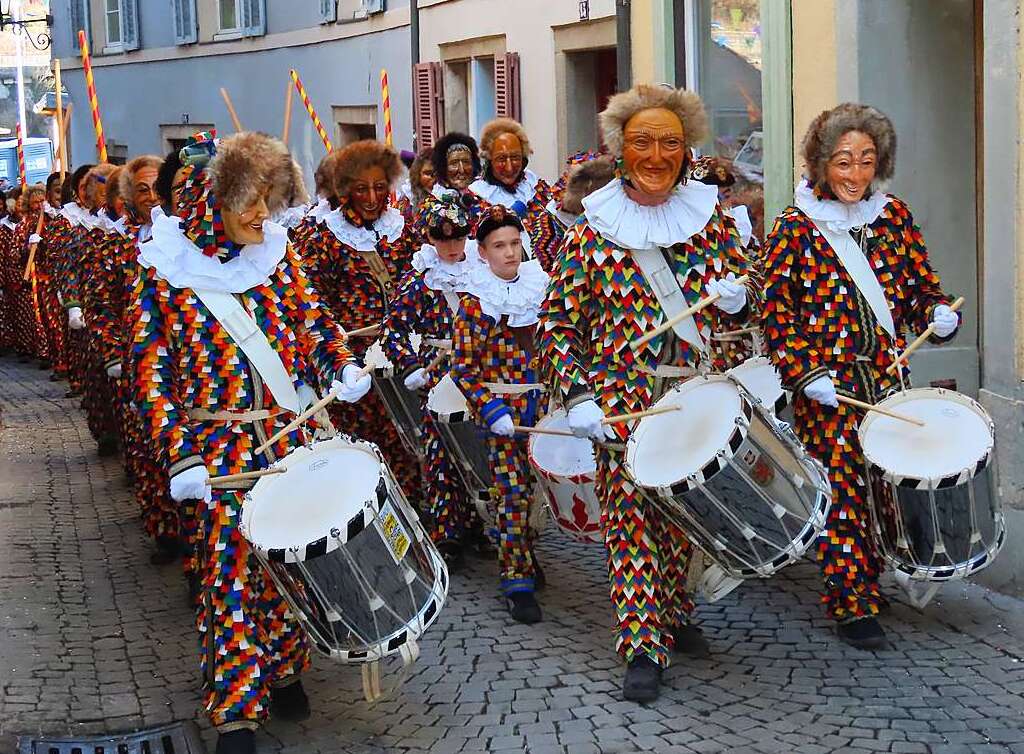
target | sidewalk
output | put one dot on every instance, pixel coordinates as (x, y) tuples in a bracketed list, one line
[(94, 639)]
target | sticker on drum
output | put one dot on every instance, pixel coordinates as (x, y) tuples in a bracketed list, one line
[(394, 533)]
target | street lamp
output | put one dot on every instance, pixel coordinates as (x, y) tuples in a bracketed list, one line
[(26, 28)]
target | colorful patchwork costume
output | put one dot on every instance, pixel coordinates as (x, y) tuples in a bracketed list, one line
[(817, 322), (598, 302), (190, 376)]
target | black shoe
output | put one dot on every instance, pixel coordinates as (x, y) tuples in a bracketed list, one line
[(168, 550), (195, 586), (523, 607), (863, 633), (643, 680), (107, 446), (237, 742), (24, 358), (44, 365), (539, 579), (289, 703), (689, 640), (453, 554)]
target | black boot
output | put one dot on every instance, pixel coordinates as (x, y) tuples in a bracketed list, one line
[(168, 550), (643, 679), (289, 702), (863, 633), (195, 586), (237, 742), (107, 446), (523, 607), (689, 640), (44, 365)]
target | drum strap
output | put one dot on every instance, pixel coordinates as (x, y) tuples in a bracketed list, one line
[(453, 301), (202, 415), (441, 343), (666, 289), (247, 335), (508, 388), (853, 258)]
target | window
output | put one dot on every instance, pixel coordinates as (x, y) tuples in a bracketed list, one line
[(470, 93), (120, 24), (354, 122), (78, 18), (229, 15), (241, 18), (185, 31), (113, 22)]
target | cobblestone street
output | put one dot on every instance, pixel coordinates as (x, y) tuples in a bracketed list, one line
[(95, 639)]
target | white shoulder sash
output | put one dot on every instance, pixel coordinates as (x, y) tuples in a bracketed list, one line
[(666, 288), (856, 263), (243, 329)]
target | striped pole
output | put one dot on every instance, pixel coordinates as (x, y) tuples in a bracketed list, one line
[(312, 113), (386, 97), (21, 156), (94, 104)]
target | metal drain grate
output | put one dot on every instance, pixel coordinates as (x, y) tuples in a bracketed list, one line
[(178, 738)]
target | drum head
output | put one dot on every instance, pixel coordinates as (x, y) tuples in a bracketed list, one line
[(666, 448), (957, 435), (564, 457), (326, 485), (446, 401), (759, 376)]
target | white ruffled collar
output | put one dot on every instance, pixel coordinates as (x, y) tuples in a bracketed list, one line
[(741, 216), (389, 225), (518, 299), (104, 223), (494, 193), (567, 219), (836, 215), (320, 210), (291, 216), (7, 223), (50, 210), (447, 277), (72, 213), (89, 220), (440, 192), (181, 263), (630, 225)]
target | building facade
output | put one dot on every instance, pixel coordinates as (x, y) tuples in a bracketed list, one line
[(172, 58)]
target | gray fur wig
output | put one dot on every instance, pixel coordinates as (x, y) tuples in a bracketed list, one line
[(246, 163), (826, 130), (623, 106)]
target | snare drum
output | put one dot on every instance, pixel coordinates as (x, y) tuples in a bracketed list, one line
[(403, 405), (761, 379), (743, 489), (346, 551), (933, 499), (565, 469)]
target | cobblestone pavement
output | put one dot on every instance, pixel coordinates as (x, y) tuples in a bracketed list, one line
[(94, 639)]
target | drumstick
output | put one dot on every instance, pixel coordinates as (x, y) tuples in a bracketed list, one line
[(541, 431), (32, 248), (668, 324), (617, 419), (219, 480), (929, 331), (297, 421), (231, 109), (362, 332), (877, 409), (287, 113), (730, 333), (434, 362)]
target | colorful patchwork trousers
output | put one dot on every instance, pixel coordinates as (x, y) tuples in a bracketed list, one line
[(249, 640), (512, 492), (54, 322), (99, 395), (648, 557), (845, 548), (446, 502)]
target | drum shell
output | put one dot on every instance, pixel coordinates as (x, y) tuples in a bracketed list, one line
[(404, 407)]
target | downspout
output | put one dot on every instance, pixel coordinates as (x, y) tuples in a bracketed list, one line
[(623, 45)]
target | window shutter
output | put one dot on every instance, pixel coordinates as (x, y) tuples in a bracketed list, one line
[(185, 31), (370, 7), (78, 17), (328, 11), (129, 24), (428, 103), (254, 18), (507, 97)]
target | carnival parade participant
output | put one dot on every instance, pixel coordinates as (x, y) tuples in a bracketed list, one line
[(52, 317), (456, 160), (495, 344), (421, 182), (846, 275), (218, 261), (354, 259), (28, 337), (584, 179), (9, 273), (426, 303), (6, 315), (649, 220), (508, 181)]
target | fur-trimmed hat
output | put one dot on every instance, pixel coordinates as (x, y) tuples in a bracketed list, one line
[(357, 157), (126, 179), (114, 191), (825, 131), (500, 126), (453, 139), (93, 180), (585, 179), (245, 164), (623, 106)]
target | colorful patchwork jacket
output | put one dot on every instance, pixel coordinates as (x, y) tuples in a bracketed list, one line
[(814, 318), (529, 200), (599, 301), (110, 289), (185, 360)]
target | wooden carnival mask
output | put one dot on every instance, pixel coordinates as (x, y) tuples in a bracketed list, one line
[(654, 152), (507, 158), (368, 195), (246, 227)]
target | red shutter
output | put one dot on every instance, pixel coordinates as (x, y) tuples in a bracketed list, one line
[(428, 103), (507, 96)]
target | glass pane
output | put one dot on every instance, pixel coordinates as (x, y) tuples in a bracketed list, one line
[(113, 22), (228, 14)]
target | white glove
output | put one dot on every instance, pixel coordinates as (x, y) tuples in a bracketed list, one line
[(945, 321), (417, 379), (190, 484), (503, 426), (822, 390), (75, 319), (733, 294), (35, 238), (585, 420), (114, 371), (353, 386)]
